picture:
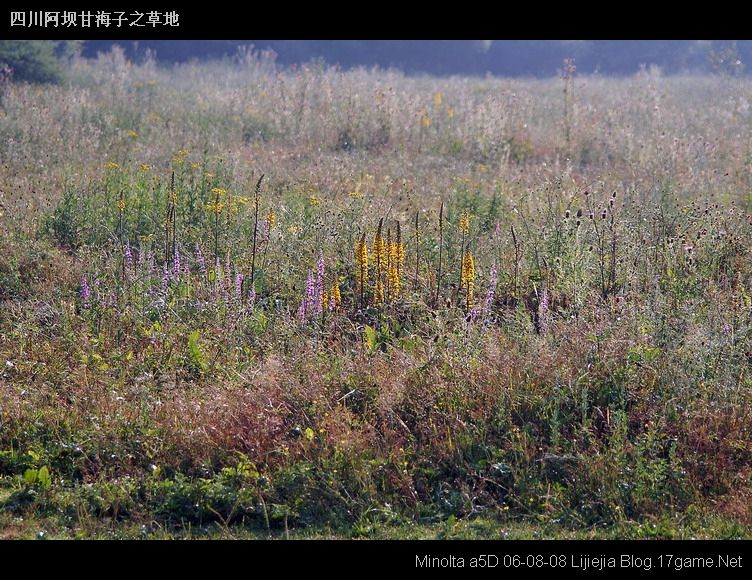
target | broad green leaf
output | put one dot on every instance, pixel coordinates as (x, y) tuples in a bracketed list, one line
[(370, 338)]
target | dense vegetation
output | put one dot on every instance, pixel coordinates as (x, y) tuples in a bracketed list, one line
[(514, 305)]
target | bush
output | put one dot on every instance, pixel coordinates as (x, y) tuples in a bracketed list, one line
[(35, 61)]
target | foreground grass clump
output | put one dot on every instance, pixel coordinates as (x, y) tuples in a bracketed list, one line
[(235, 306)]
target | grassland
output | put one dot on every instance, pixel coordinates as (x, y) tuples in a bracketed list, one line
[(451, 307)]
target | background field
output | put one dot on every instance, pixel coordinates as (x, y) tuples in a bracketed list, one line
[(595, 384)]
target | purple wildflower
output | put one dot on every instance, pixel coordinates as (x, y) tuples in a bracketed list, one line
[(85, 292), (201, 261), (128, 256), (238, 286), (266, 230), (176, 264), (310, 293)]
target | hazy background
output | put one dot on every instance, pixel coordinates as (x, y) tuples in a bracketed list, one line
[(474, 57)]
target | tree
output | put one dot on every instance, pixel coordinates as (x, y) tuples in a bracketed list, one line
[(36, 61)]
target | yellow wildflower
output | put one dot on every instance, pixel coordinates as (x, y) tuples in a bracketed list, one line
[(111, 165), (335, 293), (468, 276), (313, 200), (464, 223), (215, 207), (361, 266), (271, 218), (425, 120), (379, 294), (438, 98)]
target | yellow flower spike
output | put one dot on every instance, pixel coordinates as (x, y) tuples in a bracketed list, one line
[(438, 99), (396, 263), (271, 218), (335, 293), (464, 223), (468, 276), (425, 120), (379, 250), (379, 294), (361, 267), (450, 112)]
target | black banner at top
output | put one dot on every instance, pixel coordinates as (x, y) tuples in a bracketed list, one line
[(170, 20)]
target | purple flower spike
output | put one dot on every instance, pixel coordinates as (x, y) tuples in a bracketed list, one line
[(238, 286), (85, 292)]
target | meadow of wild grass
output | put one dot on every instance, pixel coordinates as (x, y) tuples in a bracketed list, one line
[(255, 300)]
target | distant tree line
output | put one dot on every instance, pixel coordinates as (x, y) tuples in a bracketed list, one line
[(447, 57), (40, 61)]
